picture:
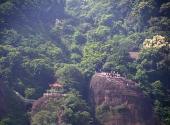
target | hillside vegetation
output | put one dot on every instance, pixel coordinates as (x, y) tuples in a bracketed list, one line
[(42, 41)]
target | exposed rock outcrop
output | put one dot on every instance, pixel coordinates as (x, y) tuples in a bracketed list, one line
[(39, 104), (118, 101), (44, 103)]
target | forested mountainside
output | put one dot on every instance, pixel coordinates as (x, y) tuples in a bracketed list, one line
[(42, 41)]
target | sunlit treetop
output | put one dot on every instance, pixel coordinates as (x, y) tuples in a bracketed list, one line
[(157, 42)]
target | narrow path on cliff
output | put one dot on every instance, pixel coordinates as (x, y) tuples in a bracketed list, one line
[(27, 101)]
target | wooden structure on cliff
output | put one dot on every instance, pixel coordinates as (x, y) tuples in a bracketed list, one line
[(55, 90)]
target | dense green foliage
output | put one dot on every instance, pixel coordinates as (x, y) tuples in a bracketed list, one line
[(12, 109), (153, 71), (45, 40), (71, 110)]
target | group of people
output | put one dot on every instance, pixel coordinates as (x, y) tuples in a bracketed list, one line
[(113, 74), (109, 74)]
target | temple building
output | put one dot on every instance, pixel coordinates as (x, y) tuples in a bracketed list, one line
[(56, 86), (55, 90)]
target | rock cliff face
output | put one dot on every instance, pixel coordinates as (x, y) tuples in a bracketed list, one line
[(42, 102), (118, 101)]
